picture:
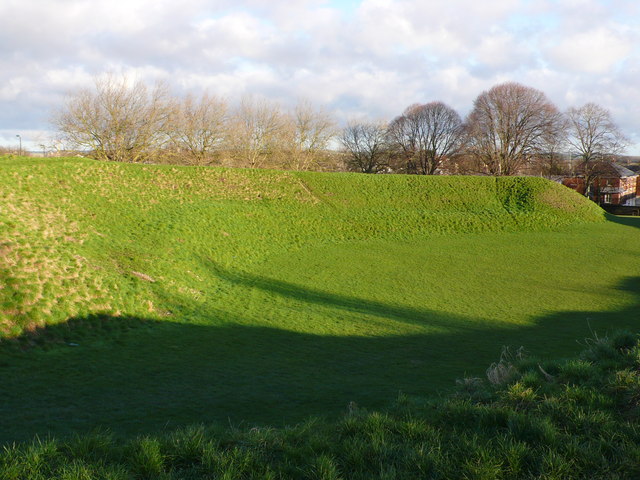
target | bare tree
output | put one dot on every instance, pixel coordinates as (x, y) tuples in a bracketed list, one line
[(313, 130), (551, 159), (259, 131), (596, 138), (593, 134), (425, 136), (116, 120), (509, 124), (366, 146), (198, 126)]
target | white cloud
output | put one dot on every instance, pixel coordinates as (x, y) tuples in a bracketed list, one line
[(371, 59), (597, 51), (502, 51)]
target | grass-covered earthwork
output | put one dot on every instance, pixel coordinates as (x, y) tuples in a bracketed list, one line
[(141, 298)]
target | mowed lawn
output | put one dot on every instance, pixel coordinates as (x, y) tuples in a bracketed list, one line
[(139, 298)]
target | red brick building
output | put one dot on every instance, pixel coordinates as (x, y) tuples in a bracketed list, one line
[(610, 183)]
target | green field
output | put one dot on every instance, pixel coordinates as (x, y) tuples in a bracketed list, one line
[(571, 419), (143, 297)]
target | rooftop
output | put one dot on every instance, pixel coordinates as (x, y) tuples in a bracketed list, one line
[(607, 169)]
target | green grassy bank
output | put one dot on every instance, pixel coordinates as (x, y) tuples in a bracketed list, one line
[(144, 297)]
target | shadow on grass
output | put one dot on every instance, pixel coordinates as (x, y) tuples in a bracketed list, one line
[(628, 221), (136, 375), (350, 304)]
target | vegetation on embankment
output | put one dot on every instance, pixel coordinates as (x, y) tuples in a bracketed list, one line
[(140, 297), (75, 232), (571, 419)]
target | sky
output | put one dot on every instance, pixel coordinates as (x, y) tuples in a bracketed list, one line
[(361, 60)]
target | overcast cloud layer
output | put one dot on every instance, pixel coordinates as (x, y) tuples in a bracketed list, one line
[(369, 58)]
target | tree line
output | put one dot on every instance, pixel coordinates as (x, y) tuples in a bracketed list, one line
[(510, 128), (131, 122)]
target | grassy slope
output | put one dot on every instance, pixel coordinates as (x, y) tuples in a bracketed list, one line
[(267, 296)]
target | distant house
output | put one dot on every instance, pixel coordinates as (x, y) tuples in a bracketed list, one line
[(607, 183)]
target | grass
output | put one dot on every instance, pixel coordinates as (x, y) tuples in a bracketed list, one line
[(572, 419), (144, 298)]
